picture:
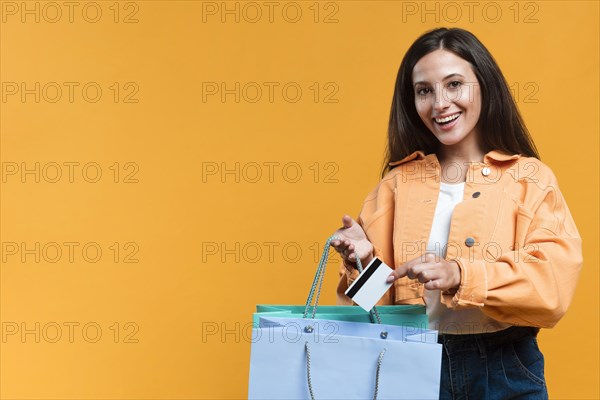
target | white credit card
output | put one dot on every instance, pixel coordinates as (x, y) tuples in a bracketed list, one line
[(370, 285)]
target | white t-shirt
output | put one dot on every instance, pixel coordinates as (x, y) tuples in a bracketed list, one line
[(442, 318)]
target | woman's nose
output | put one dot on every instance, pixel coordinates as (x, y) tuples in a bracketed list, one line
[(441, 99)]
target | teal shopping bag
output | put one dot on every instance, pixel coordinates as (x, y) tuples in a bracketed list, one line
[(410, 315)]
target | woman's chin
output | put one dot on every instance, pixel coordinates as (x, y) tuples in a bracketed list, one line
[(449, 140)]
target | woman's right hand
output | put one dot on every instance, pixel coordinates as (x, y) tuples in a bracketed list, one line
[(353, 243)]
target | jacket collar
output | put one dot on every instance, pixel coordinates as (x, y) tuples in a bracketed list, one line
[(419, 155), (497, 156), (488, 158)]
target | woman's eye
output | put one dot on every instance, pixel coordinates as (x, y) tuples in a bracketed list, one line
[(454, 84), (422, 91)]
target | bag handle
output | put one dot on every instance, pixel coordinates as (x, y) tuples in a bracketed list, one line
[(318, 282), (309, 380)]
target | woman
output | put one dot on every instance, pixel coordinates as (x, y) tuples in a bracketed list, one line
[(472, 221)]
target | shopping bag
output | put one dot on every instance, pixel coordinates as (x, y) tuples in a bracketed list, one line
[(296, 353), (296, 364), (412, 315), (331, 328)]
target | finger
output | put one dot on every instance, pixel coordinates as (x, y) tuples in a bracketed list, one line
[(341, 245), (351, 248), (347, 221), (404, 269), (351, 253), (340, 240), (427, 275), (416, 270), (350, 257), (341, 251), (398, 273), (425, 258), (434, 284)]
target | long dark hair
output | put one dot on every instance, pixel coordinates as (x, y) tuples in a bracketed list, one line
[(500, 123)]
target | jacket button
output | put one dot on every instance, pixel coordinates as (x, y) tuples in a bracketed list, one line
[(470, 242), (486, 171), (476, 195)]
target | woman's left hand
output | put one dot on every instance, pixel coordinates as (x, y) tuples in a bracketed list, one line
[(435, 272)]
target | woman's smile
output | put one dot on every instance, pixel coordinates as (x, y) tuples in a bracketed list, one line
[(446, 123)]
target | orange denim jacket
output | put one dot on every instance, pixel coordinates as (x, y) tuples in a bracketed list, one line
[(513, 236)]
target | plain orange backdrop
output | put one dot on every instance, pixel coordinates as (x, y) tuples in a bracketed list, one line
[(228, 152)]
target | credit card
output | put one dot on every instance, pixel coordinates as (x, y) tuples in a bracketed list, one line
[(370, 285)]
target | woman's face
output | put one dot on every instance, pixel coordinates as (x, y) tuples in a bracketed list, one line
[(447, 97)]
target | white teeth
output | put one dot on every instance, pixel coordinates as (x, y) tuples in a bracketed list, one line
[(449, 118)]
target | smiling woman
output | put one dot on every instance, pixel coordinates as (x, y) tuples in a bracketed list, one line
[(448, 98), (490, 250)]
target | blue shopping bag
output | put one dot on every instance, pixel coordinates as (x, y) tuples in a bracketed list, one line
[(301, 357), (294, 364), (331, 328)]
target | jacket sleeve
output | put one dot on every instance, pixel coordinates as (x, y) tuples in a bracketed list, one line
[(534, 283), (377, 220)]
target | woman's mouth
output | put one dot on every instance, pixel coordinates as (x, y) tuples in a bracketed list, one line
[(447, 122)]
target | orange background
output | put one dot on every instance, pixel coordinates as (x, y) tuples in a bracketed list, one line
[(205, 205)]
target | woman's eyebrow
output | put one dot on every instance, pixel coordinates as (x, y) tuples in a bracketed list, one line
[(446, 77)]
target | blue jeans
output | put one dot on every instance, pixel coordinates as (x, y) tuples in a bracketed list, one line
[(493, 366)]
